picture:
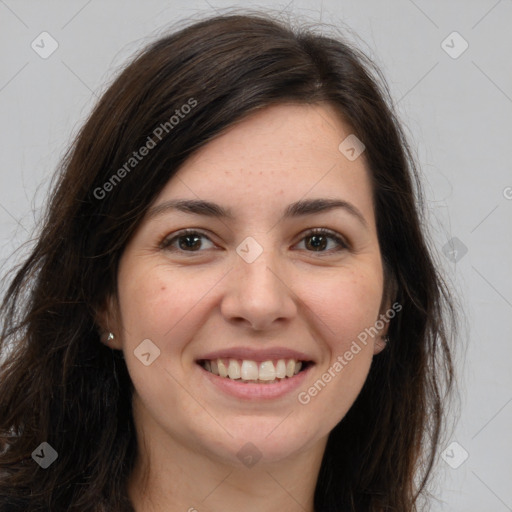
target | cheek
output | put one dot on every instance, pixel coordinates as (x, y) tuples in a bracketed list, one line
[(155, 305), (345, 304), (154, 302), (346, 308)]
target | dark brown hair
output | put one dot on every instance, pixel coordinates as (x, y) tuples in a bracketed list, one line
[(61, 385)]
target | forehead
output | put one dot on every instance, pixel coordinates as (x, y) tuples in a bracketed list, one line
[(275, 156)]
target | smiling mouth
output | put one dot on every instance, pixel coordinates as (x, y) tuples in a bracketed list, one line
[(266, 372)]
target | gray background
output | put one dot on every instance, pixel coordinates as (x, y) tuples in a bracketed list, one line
[(457, 112)]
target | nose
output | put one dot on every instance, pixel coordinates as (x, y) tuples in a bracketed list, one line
[(258, 294)]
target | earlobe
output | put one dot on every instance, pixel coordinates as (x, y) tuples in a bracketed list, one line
[(382, 339), (380, 344), (106, 320), (109, 338)]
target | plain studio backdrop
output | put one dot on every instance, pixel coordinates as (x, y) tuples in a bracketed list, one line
[(448, 68)]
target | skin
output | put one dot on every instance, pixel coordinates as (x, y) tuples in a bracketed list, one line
[(191, 302)]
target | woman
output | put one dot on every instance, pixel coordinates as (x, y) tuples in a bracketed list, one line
[(232, 302)]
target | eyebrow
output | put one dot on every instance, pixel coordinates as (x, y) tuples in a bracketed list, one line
[(297, 209)]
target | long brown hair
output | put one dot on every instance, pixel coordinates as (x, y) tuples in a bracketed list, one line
[(61, 385)]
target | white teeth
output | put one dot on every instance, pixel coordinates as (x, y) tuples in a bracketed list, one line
[(223, 371), (290, 368), (251, 371), (267, 371), (233, 369), (281, 369)]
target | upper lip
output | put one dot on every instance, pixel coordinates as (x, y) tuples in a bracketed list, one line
[(257, 355)]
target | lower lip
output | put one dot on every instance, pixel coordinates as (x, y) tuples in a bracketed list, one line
[(253, 391)]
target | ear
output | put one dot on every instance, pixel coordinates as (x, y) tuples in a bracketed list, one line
[(382, 324), (107, 320), (387, 305), (379, 345)]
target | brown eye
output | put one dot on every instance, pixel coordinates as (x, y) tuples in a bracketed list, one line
[(187, 241), (317, 240)]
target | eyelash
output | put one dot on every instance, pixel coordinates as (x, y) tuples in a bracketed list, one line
[(343, 245)]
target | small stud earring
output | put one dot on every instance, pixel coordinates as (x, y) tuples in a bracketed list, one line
[(386, 339), (110, 337)]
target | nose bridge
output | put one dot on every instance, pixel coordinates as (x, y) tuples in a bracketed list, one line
[(258, 293), (256, 268)]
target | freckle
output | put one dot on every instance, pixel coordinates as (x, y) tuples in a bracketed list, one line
[(163, 288)]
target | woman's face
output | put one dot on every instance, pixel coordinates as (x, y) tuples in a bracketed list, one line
[(251, 287)]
